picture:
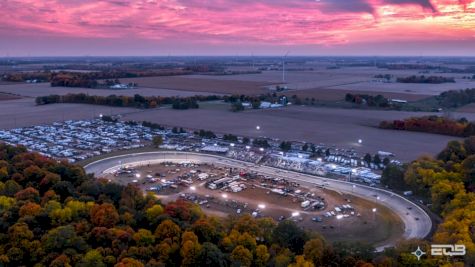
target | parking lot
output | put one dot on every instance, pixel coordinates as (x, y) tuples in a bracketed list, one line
[(78, 140), (82, 139)]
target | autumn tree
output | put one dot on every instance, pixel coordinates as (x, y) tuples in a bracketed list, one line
[(301, 262), (241, 256), (104, 215), (261, 256), (313, 250), (168, 230)]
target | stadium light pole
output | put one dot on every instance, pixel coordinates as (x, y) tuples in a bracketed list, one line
[(338, 219)]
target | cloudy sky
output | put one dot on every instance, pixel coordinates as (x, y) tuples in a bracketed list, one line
[(237, 27)]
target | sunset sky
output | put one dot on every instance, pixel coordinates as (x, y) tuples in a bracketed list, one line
[(240, 27)]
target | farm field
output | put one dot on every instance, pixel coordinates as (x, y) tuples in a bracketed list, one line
[(201, 84), (340, 127), (339, 95), (470, 108), (24, 112), (8, 97), (411, 88), (350, 79), (42, 89), (294, 79)]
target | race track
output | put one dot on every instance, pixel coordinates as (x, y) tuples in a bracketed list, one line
[(413, 228)]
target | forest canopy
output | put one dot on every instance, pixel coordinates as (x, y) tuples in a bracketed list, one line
[(53, 214)]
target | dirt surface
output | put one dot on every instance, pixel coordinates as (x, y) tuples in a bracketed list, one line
[(201, 84), (360, 223)]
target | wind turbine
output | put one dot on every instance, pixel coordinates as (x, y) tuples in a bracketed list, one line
[(283, 66)]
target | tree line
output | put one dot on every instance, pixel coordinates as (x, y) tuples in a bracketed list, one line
[(425, 79), (456, 98), (369, 100), (447, 183), (432, 124), (136, 101), (53, 214), (75, 79)]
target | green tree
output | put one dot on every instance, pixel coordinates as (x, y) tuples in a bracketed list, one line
[(289, 235), (93, 258), (285, 146), (241, 256), (256, 104), (367, 158), (11, 188), (144, 237), (454, 151), (210, 255), (393, 176), (153, 213), (62, 238), (157, 141), (237, 106), (376, 160)]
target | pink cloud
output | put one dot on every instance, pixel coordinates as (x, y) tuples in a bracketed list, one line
[(245, 22)]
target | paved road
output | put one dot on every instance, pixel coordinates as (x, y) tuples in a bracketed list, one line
[(413, 228)]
